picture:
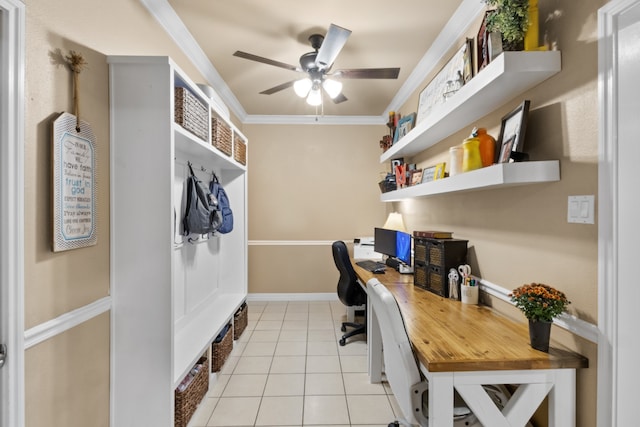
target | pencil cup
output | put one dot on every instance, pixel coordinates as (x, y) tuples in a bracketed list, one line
[(470, 294)]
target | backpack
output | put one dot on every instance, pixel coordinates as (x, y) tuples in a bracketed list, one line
[(223, 205), (201, 215)]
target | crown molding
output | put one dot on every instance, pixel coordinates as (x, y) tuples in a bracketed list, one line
[(454, 30), (313, 120), (162, 11)]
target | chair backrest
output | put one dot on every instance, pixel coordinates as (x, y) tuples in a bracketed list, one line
[(400, 365), (349, 290)]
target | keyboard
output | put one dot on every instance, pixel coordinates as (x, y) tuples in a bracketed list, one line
[(371, 265)]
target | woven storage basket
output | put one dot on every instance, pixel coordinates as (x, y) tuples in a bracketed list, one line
[(187, 400), (190, 113), (221, 135), (240, 321), (239, 150), (221, 348)]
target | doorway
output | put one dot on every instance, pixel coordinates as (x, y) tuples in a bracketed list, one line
[(12, 60), (619, 209)]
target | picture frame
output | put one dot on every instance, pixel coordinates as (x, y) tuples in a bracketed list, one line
[(513, 126), (448, 80), (467, 60), (433, 173), (505, 151), (405, 124), (416, 177), (482, 44)]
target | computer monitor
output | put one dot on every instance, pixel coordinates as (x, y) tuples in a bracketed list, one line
[(384, 241), (403, 247)]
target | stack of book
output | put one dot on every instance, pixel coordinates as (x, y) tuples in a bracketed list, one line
[(433, 234)]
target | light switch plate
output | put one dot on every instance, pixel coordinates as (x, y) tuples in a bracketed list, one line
[(580, 209)]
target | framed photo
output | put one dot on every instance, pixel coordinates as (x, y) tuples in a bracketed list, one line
[(444, 84), (433, 173), (482, 43), (416, 177), (514, 126), (404, 126), (467, 59), (505, 151)]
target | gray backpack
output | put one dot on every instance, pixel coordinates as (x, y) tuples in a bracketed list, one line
[(202, 215)]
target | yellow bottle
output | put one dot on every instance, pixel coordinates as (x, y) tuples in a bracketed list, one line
[(471, 155)]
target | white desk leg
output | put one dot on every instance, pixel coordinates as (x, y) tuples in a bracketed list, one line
[(441, 399), (562, 399), (374, 344)]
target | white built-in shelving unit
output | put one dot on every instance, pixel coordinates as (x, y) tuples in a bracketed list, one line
[(507, 76), (172, 294)]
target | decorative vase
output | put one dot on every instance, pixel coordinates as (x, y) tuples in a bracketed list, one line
[(531, 37), (487, 147), (539, 334), (471, 155)]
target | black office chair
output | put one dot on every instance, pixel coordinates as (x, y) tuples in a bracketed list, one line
[(349, 290)]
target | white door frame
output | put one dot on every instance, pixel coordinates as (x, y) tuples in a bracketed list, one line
[(614, 315), (12, 72)]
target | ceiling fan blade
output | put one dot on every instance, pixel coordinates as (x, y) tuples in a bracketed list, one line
[(267, 61), (331, 46), (278, 88), (340, 98), (368, 73)]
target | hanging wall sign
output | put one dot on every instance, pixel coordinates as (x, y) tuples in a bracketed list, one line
[(74, 184)]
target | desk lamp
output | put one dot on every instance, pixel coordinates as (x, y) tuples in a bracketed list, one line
[(395, 222)]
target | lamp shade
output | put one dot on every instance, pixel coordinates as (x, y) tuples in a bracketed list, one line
[(302, 87), (332, 87), (395, 222), (315, 97)]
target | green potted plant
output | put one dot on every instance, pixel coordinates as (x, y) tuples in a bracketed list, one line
[(511, 19), (540, 304)]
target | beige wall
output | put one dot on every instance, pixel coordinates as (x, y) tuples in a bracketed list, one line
[(306, 183), (519, 235), (516, 235), (67, 376), (309, 183)]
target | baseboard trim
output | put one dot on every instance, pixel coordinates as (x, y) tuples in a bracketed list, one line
[(44, 331), (291, 242), (292, 297)]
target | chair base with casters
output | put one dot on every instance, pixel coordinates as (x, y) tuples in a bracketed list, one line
[(358, 329)]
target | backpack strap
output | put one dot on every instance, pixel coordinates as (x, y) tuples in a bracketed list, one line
[(185, 227)]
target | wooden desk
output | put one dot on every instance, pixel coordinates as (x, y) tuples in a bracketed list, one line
[(464, 346)]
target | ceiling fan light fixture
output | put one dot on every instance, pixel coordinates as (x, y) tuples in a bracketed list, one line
[(332, 87), (302, 87), (315, 97)]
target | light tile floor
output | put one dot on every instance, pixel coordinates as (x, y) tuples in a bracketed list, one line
[(287, 369)]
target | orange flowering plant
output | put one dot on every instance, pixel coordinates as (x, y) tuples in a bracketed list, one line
[(539, 302)]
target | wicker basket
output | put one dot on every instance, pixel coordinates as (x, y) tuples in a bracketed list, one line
[(239, 149), (240, 321), (221, 135), (221, 348), (190, 113), (187, 400)]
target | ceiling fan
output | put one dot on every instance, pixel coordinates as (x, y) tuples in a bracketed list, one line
[(317, 66)]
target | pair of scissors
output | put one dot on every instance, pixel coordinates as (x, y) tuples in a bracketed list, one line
[(464, 270)]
